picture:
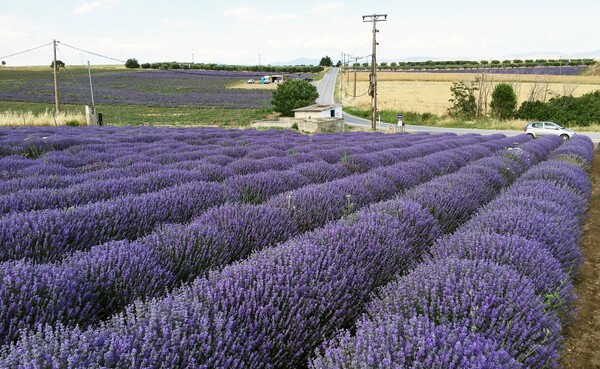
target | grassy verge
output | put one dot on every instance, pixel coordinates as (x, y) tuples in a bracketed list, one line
[(152, 116), (428, 119)]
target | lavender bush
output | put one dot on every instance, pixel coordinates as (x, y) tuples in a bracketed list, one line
[(280, 303), (530, 258), (493, 301), (564, 173), (93, 191), (273, 309), (48, 235), (413, 344), (258, 187), (90, 286)]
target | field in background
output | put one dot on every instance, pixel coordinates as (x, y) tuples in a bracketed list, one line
[(132, 97), (430, 92), (134, 115)]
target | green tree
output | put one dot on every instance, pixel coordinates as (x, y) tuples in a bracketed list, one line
[(292, 95), (3, 63), (463, 99), (59, 64), (504, 101), (132, 63), (326, 61)]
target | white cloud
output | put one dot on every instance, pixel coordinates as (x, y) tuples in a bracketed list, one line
[(251, 14), (328, 8), (12, 28), (242, 13), (91, 6), (175, 23)]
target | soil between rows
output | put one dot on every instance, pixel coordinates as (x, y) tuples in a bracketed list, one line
[(582, 337)]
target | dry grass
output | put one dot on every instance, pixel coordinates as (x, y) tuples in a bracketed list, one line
[(430, 92), (254, 86), (48, 118)]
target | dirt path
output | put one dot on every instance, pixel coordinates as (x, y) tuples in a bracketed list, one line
[(582, 338)]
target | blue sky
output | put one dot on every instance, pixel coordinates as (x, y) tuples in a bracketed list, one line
[(237, 32)]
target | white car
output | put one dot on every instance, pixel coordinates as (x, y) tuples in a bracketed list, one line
[(250, 81), (539, 129)]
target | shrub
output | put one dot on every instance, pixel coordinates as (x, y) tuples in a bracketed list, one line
[(504, 101), (132, 63), (463, 100), (564, 110), (292, 95)]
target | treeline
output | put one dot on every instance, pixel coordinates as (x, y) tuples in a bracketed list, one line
[(569, 111), (474, 64), (234, 68)]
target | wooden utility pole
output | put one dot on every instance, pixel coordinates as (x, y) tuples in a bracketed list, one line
[(348, 72), (342, 80), (373, 77), (480, 100), (354, 66), (56, 97)]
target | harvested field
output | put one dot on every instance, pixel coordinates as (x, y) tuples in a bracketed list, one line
[(430, 92)]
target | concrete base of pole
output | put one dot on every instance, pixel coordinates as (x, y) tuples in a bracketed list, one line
[(91, 117)]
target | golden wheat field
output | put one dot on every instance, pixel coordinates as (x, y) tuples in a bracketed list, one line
[(430, 92)]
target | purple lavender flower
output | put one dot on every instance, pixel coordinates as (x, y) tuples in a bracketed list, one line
[(493, 301), (415, 343), (530, 258)]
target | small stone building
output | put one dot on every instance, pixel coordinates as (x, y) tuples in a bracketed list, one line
[(319, 111)]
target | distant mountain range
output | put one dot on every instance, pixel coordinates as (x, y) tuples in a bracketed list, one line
[(299, 61)]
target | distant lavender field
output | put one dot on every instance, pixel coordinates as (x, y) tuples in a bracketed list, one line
[(165, 88), (549, 71)]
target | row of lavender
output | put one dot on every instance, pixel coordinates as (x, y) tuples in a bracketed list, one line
[(47, 235), (274, 308), (68, 190), (73, 152), (492, 295), (90, 286), (50, 187)]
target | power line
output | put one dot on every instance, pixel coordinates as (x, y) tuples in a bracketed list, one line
[(89, 52), (73, 78), (26, 51)]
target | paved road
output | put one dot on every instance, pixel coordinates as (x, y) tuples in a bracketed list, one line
[(352, 120), (326, 86)]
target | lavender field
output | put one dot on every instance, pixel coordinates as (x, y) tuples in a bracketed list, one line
[(567, 70), (159, 88), (209, 248)]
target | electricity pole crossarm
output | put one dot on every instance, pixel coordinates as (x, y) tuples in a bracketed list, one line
[(373, 77)]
